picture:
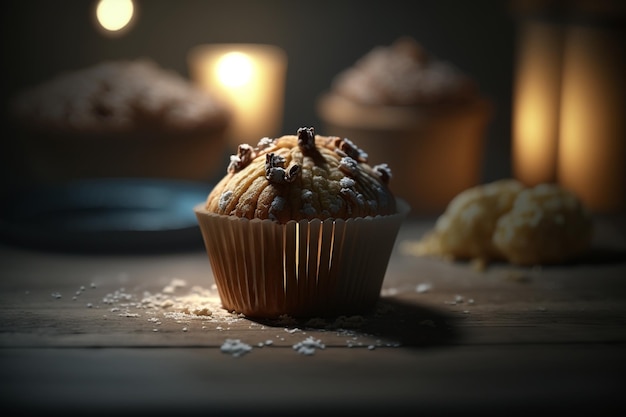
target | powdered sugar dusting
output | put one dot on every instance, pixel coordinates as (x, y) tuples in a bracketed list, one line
[(347, 182), (348, 165), (235, 347), (308, 346), (225, 199), (196, 312), (176, 301)]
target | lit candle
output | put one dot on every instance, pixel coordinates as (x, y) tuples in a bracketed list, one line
[(248, 77), (536, 102), (592, 156)]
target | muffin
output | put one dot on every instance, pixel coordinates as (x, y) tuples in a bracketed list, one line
[(506, 221), (119, 119), (301, 225), (422, 115), (548, 224)]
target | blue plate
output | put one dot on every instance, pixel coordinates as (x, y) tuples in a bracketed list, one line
[(112, 215)]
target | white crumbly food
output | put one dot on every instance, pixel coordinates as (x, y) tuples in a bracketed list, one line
[(504, 220), (547, 224)]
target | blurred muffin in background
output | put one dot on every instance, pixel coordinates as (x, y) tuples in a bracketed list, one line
[(422, 115), (118, 119)]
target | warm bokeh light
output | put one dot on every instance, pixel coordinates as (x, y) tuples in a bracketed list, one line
[(250, 78), (234, 69), (114, 15), (568, 124), (537, 102), (592, 147)]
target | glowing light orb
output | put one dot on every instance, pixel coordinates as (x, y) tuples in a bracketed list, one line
[(234, 69), (114, 15)]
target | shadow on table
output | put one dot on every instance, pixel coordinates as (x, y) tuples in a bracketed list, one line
[(405, 323), (602, 256)]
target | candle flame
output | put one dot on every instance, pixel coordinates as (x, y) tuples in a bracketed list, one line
[(234, 69)]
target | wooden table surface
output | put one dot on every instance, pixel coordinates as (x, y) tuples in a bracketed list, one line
[(109, 334)]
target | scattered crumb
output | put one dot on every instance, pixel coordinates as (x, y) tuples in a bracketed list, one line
[(308, 346), (294, 330), (423, 287), (183, 303), (174, 284), (235, 347), (204, 311)]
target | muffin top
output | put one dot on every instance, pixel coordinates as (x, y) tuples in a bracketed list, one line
[(403, 74), (118, 96), (303, 176)]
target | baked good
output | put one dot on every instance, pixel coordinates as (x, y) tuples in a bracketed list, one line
[(403, 74), (129, 118), (506, 221), (547, 224), (300, 225), (421, 114), (465, 229)]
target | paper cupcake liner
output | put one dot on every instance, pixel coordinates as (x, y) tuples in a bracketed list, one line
[(301, 268)]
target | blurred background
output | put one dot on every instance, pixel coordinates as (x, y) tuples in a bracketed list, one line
[(320, 38), (520, 50)]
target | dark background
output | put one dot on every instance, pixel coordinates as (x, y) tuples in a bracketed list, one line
[(43, 38)]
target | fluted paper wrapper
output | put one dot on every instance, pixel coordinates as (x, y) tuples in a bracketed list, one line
[(302, 268)]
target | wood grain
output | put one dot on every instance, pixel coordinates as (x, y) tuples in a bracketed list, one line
[(535, 339)]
